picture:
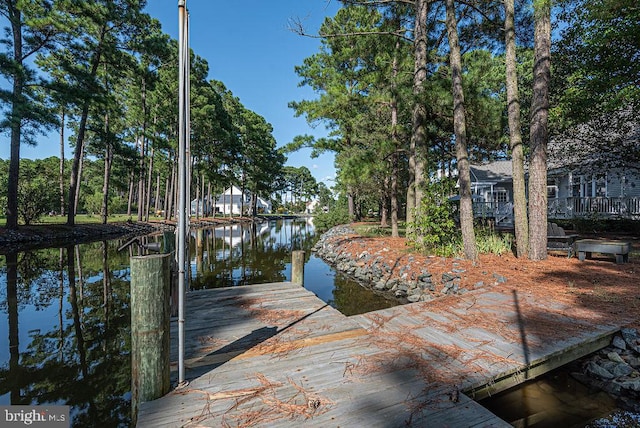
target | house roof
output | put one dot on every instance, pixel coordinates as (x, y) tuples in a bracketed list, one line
[(492, 172)]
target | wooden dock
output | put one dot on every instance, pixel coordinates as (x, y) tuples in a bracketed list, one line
[(276, 355)]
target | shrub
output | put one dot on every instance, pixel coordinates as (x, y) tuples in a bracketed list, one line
[(34, 199), (434, 226), (489, 241), (338, 214)]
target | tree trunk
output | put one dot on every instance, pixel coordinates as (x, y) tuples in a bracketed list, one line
[(165, 203), (351, 203), (539, 131), (147, 202), (172, 192), (16, 117), (204, 200), (108, 157), (76, 197), (460, 130), (130, 200), (198, 205), (143, 152), (61, 176), (242, 192), (520, 221), (254, 203), (396, 147), (156, 202), (210, 199), (417, 148), (141, 183), (82, 126)]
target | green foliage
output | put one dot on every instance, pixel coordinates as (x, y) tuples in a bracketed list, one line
[(434, 224), (338, 214), (596, 66), (35, 198), (488, 241)]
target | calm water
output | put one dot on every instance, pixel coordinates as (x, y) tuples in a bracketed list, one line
[(65, 316), (551, 401)]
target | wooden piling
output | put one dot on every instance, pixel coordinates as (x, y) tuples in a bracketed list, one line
[(149, 328), (168, 241), (297, 267)]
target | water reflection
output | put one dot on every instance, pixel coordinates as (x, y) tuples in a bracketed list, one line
[(67, 324), (65, 317)]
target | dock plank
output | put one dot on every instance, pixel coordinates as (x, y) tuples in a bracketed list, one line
[(275, 355)]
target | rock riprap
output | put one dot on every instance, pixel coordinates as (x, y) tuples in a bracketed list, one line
[(616, 369), (408, 280)]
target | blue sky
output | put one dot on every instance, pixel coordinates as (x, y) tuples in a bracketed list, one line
[(250, 48)]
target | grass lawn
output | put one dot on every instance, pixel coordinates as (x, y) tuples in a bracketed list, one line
[(80, 219)]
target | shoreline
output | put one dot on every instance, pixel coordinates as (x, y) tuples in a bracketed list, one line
[(40, 236)]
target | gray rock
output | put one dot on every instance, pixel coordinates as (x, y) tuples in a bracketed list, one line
[(478, 284), (414, 298), (633, 362), (622, 369), (448, 277), (614, 356), (400, 293), (633, 385), (425, 277), (426, 297), (594, 369), (618, 342), (380, 285), (499, 278), (402, 286), (630, 335)]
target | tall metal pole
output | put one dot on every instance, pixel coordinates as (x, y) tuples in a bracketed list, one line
[(181, 234), (187, 126)]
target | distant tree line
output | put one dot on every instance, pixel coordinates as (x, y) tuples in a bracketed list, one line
[(106, 71)]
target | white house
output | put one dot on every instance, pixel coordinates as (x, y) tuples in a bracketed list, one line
[(233, 201), (311, 206)]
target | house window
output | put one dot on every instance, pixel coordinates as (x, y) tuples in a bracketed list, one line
[(593, 186), (552, 192), (500, 195), (600, 186)]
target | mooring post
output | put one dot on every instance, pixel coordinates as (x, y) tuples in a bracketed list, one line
[(168, 241), (297, 267), (149, 328)]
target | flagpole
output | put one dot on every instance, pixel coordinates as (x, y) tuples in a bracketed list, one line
[(181, 232)]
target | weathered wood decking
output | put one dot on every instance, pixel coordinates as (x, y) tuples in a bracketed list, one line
[(276, 355)]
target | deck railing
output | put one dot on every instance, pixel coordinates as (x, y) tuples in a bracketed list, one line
[(565, 208), (628, 207), (497, 211)]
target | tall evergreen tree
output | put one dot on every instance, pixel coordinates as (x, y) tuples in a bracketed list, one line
[(539, 134), (521, 225), (460, 127), (34, 27), (102, 30)]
